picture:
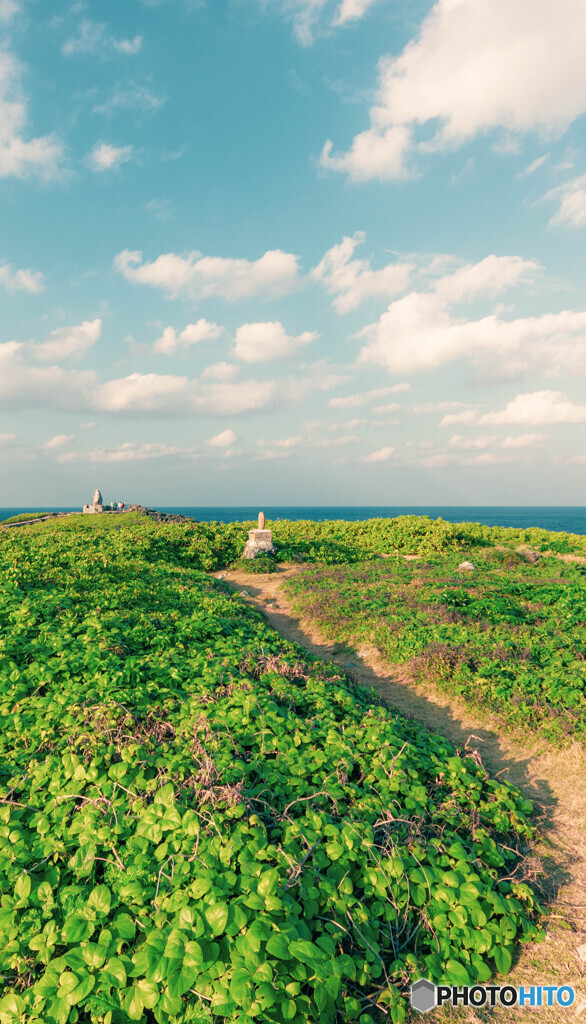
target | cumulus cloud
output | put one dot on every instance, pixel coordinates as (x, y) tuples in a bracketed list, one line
[(365, 397), (265, 342), (20, 280), (476, 66), (50, 387), (572, 203), (168, 395), (352, 281), (382, 455), (58, 441), (93, 38), (223, 440), (220, 371), (20, 157), (172, 342), (537, 408), (129, 452), (69, 342), (194, 276), (421, 332), (105, 157)]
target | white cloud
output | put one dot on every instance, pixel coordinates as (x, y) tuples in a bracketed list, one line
[(37, 157), (7, 438), (533, 166), (523, 441), (382, 455), (130, 97), (8, 8), (314, 16), (92, 37), (129, 452), (352, 281), (223, 440), (484, 441), (380, 410), (168, 395), (538, 408), (419, 331), (264, 342), (365, 397), (194, 276), (427, 407), (105, 157), (59, 441), (572, 199), (23, 386), (21, 280), (335, 442), (220, 371), (69, 342), (476, 66), (436, 461), (172, 342)]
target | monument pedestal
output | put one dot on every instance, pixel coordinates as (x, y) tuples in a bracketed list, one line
[(259, 541)]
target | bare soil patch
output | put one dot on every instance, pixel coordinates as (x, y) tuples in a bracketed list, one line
[(554, 780)]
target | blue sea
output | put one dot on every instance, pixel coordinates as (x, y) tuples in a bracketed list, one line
[(560, 518)]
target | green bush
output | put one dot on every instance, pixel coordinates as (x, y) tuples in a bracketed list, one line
[(199, 824)]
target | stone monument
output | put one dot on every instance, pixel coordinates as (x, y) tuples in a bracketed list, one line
[(259, 541), (97, 504)]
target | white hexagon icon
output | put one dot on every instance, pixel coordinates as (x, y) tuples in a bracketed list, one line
[(423, 996)]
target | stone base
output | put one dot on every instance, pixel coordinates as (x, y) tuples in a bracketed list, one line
[(259, 542), (91, 509)]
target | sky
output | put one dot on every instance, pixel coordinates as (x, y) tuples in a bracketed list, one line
[(304, 252)]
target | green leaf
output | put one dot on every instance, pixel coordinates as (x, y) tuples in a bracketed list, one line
[(502, 959), (456, 974), (268, 882), (22, 889), (100, 899), (165, 795), (217, 917), (114, 972), (82, 990), (288, 1009), (307, 952), (278, 946)]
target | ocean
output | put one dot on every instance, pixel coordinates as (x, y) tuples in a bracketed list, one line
[(560, 518)]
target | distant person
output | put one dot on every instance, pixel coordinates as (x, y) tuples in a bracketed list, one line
[(121, 506)]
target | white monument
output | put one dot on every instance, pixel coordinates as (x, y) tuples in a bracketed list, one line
[(259, 541)]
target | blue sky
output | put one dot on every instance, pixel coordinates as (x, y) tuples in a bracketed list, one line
[(292, 251)]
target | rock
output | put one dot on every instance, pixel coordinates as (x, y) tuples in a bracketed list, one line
[(581, 951), (466, 566), (98, 497), (259, 542), (531, 556), (261, 520)]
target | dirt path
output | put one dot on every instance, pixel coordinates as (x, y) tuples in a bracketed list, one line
[(555, 781)]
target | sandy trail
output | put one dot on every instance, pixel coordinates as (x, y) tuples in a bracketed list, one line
[(554, 780)]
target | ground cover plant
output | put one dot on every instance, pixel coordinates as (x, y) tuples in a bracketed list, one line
[(24, 517), (198, 824), (508, 636)]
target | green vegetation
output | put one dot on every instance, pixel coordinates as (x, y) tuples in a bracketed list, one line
[(24, 517), (508, 637), (199, 824)]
